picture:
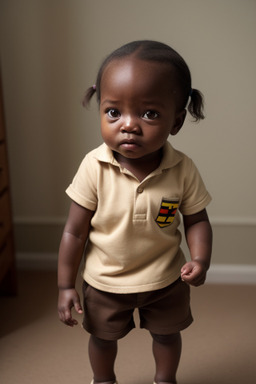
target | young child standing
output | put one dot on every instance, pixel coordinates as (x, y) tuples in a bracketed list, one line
[(126, 199)]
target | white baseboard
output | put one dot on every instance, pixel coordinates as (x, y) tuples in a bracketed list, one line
[(218, 273), (231, 274)]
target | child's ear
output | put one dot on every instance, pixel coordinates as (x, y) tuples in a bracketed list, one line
[(179, 121)]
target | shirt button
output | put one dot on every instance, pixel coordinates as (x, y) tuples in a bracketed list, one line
[(140, 190)]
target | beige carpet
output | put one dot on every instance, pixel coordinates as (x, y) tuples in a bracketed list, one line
[(35, 348)]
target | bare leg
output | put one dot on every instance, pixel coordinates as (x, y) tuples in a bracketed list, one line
[(167, 351), (102, 357)]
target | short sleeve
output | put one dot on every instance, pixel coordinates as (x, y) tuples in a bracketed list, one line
[(195, 196), (83, 189)]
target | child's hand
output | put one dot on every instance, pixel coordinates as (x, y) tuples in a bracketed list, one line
[(194, 273), (68, 298)]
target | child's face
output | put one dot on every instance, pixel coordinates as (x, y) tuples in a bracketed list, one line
[(137, 107)]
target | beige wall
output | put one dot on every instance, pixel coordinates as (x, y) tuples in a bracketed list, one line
[(50, 53)]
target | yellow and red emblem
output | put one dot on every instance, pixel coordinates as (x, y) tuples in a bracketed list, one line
[(167, 212)]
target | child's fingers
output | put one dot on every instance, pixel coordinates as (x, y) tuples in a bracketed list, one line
[(78, 307), (69, 319), (65, 317), (194, 276), (186, 269), (69, 298)]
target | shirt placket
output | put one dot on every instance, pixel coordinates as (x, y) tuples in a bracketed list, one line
[(140, 202)]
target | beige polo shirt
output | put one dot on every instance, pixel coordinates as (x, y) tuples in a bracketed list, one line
[(134, 242)]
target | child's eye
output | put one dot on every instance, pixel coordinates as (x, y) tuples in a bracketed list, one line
[(113, 113), (150, 115)]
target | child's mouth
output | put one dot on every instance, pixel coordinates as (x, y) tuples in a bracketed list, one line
[(129, 144)]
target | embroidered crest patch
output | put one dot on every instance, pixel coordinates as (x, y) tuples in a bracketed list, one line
[(167, 212)]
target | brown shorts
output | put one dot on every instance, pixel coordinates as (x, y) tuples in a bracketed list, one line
[(109, 316)]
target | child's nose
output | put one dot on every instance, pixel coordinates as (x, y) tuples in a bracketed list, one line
[(130, 124)]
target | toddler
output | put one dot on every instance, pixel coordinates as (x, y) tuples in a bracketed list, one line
[(127, 197)]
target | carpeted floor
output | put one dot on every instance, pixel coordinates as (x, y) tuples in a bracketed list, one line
[(35, 348)]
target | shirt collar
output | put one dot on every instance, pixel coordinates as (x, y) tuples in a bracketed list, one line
[(171, 156)]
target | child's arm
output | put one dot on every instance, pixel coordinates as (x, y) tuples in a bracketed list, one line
[(198, 233), (71, 250)]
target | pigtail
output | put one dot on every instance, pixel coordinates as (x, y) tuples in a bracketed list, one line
[(88, 95), (196, 105)]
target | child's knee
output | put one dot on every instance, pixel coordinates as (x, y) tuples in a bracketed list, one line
[(101, 342), (166, 339)]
